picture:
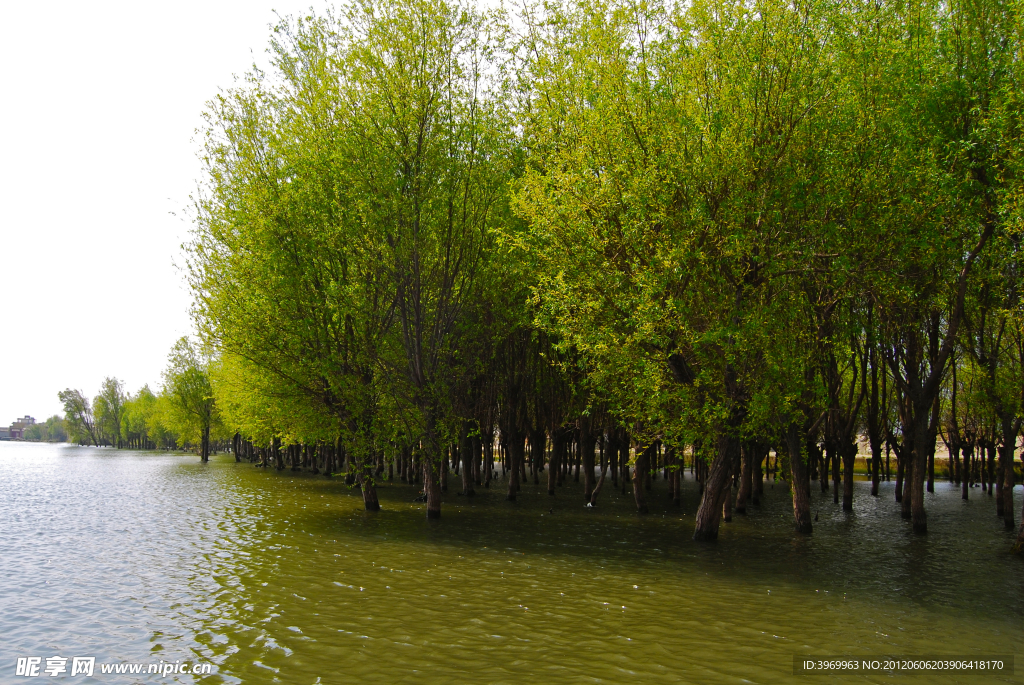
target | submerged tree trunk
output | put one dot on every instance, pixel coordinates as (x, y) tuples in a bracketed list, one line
[(849, 460), (558, 445), (876, 467), (832, 449), (587, 443), (364, 478), (718, 480), (919, 470), (746, 478), (515, 459), (432, 486), (758, 477), (908, 476), (1010, 427), (467, 457), (966, 469), (205, 444), (639, 468), (597, 488), (538, 447), (801, 484)]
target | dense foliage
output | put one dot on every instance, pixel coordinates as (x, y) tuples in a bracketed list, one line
[(703, 231), (182, 414)]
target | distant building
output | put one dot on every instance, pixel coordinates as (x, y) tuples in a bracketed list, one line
[(5, 433), (17, 429)]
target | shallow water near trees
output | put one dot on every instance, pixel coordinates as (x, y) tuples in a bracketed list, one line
[(282, 577)]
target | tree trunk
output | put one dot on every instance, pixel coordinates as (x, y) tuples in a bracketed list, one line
[(676, 474), (205, 444), (876, 466), (467, 456), (991, 449), (1010, 430), (444, 468), (933, 427), (478, 458), (432, 485), (488, 447), (965, 470), (364, 478), (576, 458), (818, 455), (709, 511), (832, 449), (908, 476), (587, 442), (613, 456), (555, 465), (954, 462), (638, 479), (919, 462), (624, 441), (849, 460), (999, 478), (515, 459), (538, 446), (801, 484), (597, 488), (1018, 546), (758, 477), (746, 478)]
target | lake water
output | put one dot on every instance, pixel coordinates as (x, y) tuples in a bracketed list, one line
[(282, 577)]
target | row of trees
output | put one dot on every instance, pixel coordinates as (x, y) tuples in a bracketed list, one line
[(182, 414), (51, 430), (714, 226)]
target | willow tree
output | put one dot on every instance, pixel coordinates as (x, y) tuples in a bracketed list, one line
[(431, 176), (292, 286), (78, 415), (187, 386), (942, 108), (109, 408), (345, 222), (671, 149)]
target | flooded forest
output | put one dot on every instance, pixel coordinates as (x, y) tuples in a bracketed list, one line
[(747, 245)]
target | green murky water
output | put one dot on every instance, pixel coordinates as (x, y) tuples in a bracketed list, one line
[(282, 577)]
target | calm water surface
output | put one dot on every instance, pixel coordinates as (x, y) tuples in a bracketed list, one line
[(282, 577)]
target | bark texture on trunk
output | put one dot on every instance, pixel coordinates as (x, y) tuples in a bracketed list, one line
[(718, 479), (801, 485), (366, 484)]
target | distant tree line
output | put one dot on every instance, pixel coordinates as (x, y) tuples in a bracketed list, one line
[(656, 231), (51, 430), (181, 415)]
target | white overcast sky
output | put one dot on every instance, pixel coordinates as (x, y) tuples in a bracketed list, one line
[(99, 108)]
